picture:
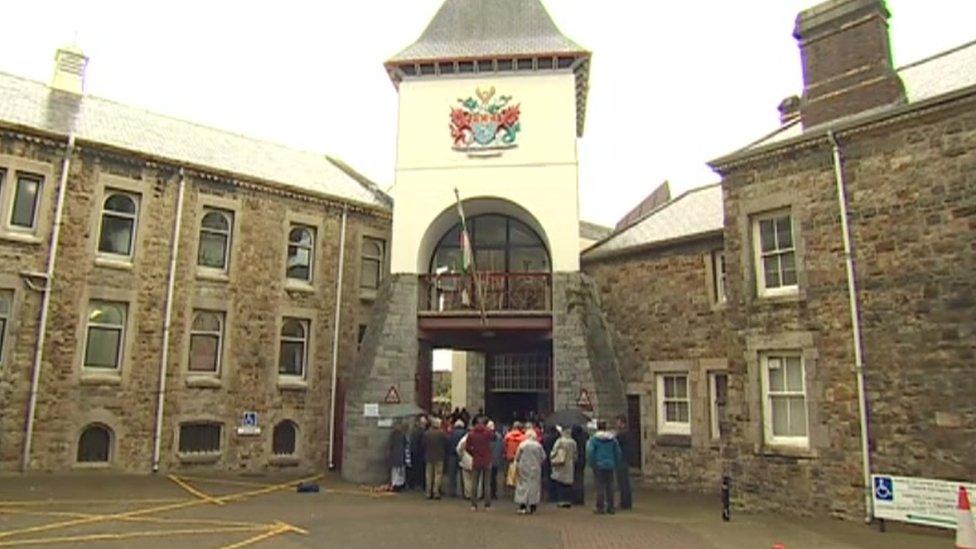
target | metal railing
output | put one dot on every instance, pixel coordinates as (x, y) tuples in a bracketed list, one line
[(500, 292)]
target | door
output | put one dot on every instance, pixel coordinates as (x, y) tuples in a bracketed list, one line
[(634, 425)]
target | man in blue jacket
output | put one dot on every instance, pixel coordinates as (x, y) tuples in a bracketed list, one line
[(604, 456)]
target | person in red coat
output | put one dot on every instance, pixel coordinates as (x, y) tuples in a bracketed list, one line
[(479, 446)]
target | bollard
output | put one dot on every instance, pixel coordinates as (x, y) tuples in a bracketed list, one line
[(726, 493)]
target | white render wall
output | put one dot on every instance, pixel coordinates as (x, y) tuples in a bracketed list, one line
[(540, 175)]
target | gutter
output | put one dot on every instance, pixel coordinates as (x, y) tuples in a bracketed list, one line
[(335, 338), (855, 326), (46, 302), (167, 320)]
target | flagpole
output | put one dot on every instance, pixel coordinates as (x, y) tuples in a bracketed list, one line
[(467, 256)]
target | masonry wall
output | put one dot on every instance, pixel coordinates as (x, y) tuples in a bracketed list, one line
[(665, 319), (253, 297), (912, 194)]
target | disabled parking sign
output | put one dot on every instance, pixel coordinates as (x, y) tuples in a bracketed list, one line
[(927, 501), (884, 489)]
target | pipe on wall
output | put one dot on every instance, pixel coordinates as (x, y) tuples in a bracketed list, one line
[(335, 337), (167, 320), (855, 325), (46, 302)]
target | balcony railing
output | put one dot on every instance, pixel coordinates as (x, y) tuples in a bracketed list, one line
[(497, 291)]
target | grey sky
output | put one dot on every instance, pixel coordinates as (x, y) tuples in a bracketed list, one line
[(673, 85)]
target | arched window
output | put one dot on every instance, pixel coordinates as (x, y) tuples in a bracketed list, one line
[(501, 244), (206, 339), (294, 347), (371, 269), (94, 444), (284, 439), (215, 233), (106, 335), (301, 245), (119, 215)]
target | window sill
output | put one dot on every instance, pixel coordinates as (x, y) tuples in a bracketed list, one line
[(284, 461), (212, 276), (797, 452), (98, 465), (292, 285), (199, 381), (292, 384), (673, 441), (24, 238), (208, 457), (367, 294), (782, 297), (101, 378), (114, 263)]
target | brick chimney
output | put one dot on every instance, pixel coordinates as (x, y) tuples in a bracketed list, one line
[(846, 56), (69, 70)]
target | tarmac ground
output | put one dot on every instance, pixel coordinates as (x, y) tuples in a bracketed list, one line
[(111, 510)]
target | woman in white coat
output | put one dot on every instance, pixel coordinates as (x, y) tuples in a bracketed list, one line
[(528, 465)]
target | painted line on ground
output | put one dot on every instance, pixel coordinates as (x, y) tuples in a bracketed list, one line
[(225, 481), (130, 535), (282, 528), (155, 520), (31, 502), (179, 482)]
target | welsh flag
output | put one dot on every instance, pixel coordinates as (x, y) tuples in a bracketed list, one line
[(467, 252)]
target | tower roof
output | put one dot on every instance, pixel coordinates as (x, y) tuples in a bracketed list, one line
[(498, 36)]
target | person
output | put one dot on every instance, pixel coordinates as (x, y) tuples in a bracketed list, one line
[(563, 460), (626, 441), (465, 462), (451, 463), (478, 445), (549, 437), (399, 457), (580, 437), (417, 469), (497, 457), (603, 455), (435, 450), (512, 441), (465, 416), (528, 463)]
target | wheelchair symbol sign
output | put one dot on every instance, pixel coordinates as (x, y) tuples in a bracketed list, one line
[(884, 489)]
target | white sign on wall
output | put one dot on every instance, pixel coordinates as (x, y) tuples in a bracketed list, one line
[(917, 500), (371, 409)]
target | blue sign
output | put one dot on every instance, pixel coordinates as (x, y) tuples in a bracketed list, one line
[(884, 489), (250, 419)]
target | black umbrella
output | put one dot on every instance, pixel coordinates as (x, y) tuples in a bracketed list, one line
[(567, 418)]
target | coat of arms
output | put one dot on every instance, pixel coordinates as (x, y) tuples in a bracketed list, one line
[(486, 122)]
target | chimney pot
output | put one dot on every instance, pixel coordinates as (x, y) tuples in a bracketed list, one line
[(789, 109), (69, 70)]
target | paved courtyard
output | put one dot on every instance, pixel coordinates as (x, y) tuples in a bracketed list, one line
[(102, 510)]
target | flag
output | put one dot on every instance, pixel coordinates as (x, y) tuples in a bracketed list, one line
[(467, 262)]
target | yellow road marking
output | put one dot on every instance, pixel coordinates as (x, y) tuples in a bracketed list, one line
[(27, 502), (224, 481), (281, 529), (360, 493), (179, 482), (151, 510), (130, 535), (156, 520)]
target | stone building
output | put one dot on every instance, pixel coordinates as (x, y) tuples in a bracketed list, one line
[(755, 329)]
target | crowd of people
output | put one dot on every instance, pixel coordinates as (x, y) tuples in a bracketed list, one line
[(473, 458)]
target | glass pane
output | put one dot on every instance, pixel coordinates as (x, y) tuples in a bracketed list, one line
[(490, 260), (204, 350), (212, 251), (453, 237), (372, 248), (771, 271), (520, 234), (116, 237), (767, 235), (798, 416), (217, 221), (3, 330), (292, 359), (293, 328), (93, 446), (370, 274), (206, 322), (449, 258), (681, 387), (6, 298), (784, 232), (528, 260), (25, 202), (794, 373), (721, 388), (120, 203), (788, 262), (779, 409), (102, 349), (668, 387), (683, 412), (489, 230), (106, 313), (776, 381), (671, 411), (300, 235), (298, 263)]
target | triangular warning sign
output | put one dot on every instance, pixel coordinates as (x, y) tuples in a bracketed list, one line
[(392, 396), (584, 400)]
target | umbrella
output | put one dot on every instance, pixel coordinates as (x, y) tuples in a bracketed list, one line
[(567, 418)]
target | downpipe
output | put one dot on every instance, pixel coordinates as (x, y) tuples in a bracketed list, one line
[(855, 325), (167, 320), (335, 338), (46, 302)]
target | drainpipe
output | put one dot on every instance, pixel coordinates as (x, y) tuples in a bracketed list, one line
[(855, 326), (167, 319), (46, 302), (335, 338)]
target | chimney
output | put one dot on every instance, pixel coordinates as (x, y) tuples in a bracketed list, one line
[(846, 56), (69, 70)]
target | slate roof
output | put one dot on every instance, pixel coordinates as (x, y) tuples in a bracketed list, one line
[(694, 213), (592, 231), (949, 71), (32, 104)]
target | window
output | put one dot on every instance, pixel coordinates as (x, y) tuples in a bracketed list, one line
[(294, 347), (301, 245), (674, 406), (718, 390), (215, 234), (784, 399), (718, 276), (105, 335), (360, 337), (6, 306), (775, 254), (119, 214), (199, 438), (206, 341), (94, 444), (284, 438), (23, 208), (371, 269)]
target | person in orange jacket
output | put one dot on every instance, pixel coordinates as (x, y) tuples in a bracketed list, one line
[(513, 438)]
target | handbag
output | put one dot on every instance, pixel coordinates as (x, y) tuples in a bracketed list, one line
[(558, 457), (510, 475)]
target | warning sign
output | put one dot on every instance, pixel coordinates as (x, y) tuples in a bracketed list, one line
[(583, 401), (392, 396)]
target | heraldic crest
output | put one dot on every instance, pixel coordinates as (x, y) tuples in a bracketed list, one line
[(485, 123)]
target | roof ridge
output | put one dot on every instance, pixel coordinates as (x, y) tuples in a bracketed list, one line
[(935, 56)]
